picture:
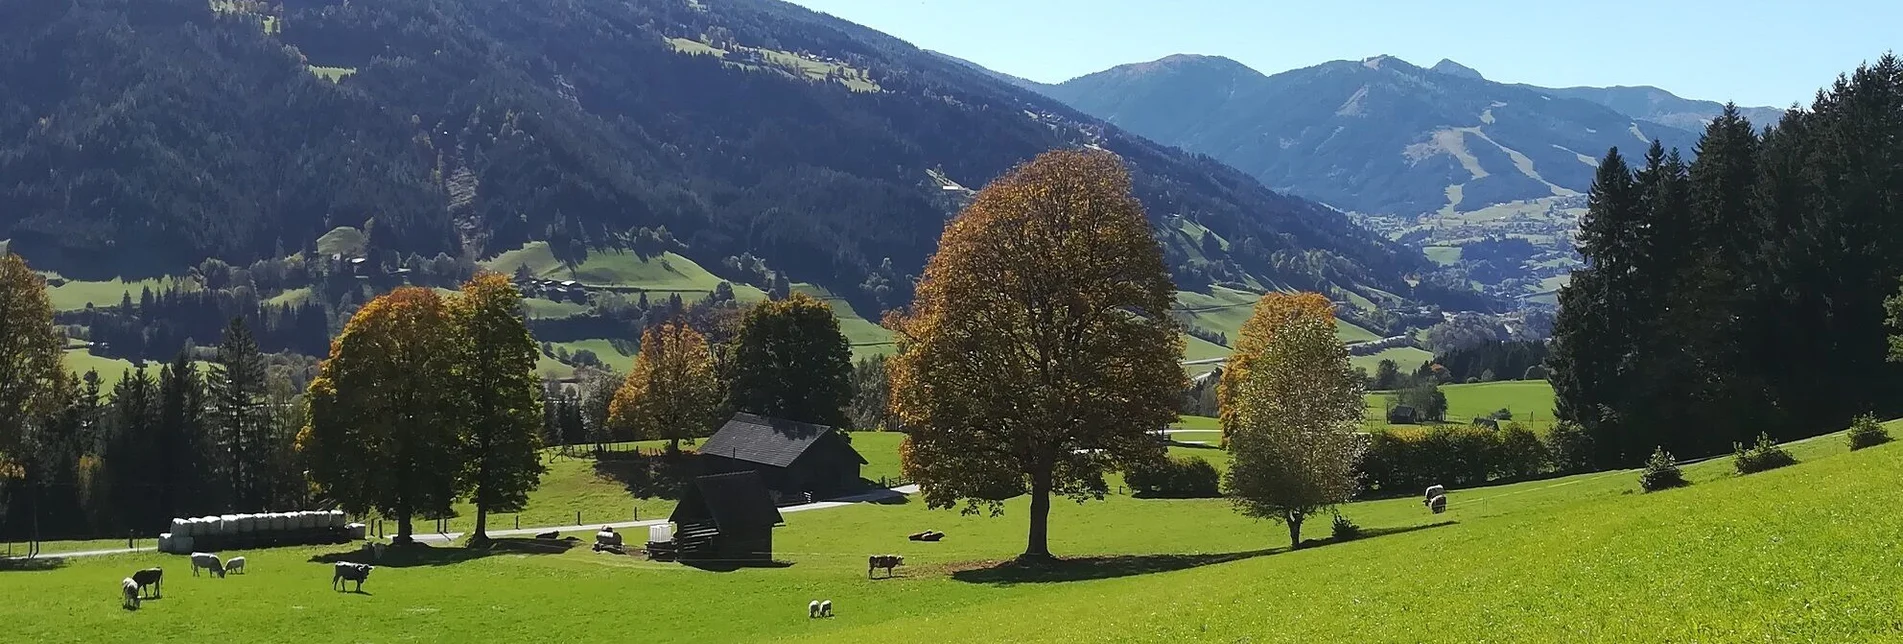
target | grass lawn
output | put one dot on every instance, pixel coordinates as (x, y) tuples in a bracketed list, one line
[(75, 295), (332, 74), (1805, 553), (342, 240), (1443, 255), (1407, 358), (1531, 402), (1225, 310), (291, 297), (604, 350), (79, 361), (546, 308)]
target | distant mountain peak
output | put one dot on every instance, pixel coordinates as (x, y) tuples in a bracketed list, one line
[(1449, 67), (1385, 61), (1179, 61)]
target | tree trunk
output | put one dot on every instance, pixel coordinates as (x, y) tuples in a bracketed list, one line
[(402, 528), (1038, 548), (482, 525), (1294, 531)]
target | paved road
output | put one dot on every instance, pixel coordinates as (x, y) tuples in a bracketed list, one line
[(868, 497)]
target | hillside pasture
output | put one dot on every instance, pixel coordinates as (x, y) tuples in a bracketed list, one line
[(73, 295), (1803, 553)]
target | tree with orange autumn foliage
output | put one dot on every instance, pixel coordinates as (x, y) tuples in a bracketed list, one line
[(1039, 351), (1290, 405), (672, 392), (31, 362), (386, 411)]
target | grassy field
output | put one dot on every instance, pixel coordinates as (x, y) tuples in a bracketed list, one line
[(76, 295), (332, 74), (1531, 402), (79, 361), (603, 349), (1443, 255), (342, 240), (785, 62), (1805, 553), (545, 308), (1225, 310), (1407, 358)]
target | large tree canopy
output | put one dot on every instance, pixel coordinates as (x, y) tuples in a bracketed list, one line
[(30, 360), (1040, 349), (1290, 404), (791, 361), (386, 414), (497, 375), (672, 391)]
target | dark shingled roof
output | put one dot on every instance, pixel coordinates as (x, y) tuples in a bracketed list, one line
[(734, 501), (768, 441)]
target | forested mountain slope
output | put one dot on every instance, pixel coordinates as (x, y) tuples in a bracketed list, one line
[(138, 137)]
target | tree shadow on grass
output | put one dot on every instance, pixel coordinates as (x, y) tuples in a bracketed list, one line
[(730, 565), (417, 554), (1008, 573), (650, 477), (36, 564)]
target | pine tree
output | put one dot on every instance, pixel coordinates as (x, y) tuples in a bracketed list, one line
[(1591, 337), (237, 383), (184, 485)]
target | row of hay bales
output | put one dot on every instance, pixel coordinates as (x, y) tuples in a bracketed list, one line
[(232, 524), (268, 529)]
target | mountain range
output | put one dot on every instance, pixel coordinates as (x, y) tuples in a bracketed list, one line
[(139, 137), (1382, 136)]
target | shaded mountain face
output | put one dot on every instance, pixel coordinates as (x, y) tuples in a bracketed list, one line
[(140, 136), (1660, 106), (1379, 136)]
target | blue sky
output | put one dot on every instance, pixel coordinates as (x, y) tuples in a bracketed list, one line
[(1751, 51)]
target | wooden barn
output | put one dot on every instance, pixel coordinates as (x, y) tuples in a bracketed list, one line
[(728, 517), (797, 461)]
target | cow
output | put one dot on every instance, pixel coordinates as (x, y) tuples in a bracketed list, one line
[(888, 562), (235, 565), (150, 577), (1433, 491), (209, 562), (826, 608), (346, 571), (1438, 504), (129, 593), (812, 609)]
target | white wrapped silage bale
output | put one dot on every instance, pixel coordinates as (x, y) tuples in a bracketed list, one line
[(355, 531), (307, 520), (242, 524), (182, 545), (165, 542), (280, 521), (229, 522), (337, 518), (178, 525)]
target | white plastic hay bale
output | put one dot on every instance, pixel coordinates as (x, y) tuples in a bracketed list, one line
[(242, 524), (337, 518), (279, 522), (356, 531), (181, 545), (299, 520), (178, 525), (165, 542), (312, 520), (230, 523), (661, 533)]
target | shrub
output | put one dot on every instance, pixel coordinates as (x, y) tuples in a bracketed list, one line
[(1175, 478), (1520, 453), (1429, 403), (1570, 446), (1535, 372), (1660, 472), (1412, 460), (1865, 431), (1766, 455), (1346, 530)]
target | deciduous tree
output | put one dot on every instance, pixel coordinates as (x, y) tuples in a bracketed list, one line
[(672, 391), (496, 373), (1039, 350), (1290, 405), (30, 361), (386, 415), (791, 361)]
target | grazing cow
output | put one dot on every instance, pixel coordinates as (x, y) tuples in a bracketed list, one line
[(149, 577), (347, 571), (826, 608), (608, 537), (1433, 491), (235, 565), (1438, 504), (888, 562), (209, 562), (812, 609), (129, 593)]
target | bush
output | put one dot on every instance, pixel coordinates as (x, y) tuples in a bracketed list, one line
[(1175, 478), (1445, 455), (1429, 403), (1865, 431), (1766, 455), (1520, 453), (1535, 372), (1570, 447), (1346, 530), (1660, 472)]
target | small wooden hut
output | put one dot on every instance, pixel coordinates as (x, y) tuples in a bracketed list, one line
[(727, 517)]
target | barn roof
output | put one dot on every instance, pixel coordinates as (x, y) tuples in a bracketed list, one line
[(736, 500), (768, 441)]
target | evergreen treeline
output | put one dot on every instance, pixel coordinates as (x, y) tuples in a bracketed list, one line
[(1493, 360), (1741, 293), (164, 442)]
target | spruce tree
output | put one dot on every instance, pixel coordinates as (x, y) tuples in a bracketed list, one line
[(238, 396)]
